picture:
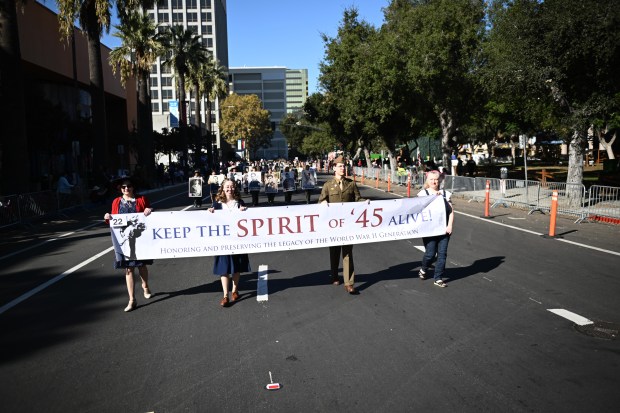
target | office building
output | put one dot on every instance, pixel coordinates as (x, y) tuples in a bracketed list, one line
[(280, 90), (296, 89), (208, 19)]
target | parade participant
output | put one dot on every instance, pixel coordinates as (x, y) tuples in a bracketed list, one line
[(254, 182), (308, 181), (228, 198), (195, 188), (214, 185), (130, 203), (437, 245), (341, 189)]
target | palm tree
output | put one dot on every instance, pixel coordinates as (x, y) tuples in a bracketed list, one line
[(14, 163), (215, 89), (181, 46), (139, 49), (94, 18), (196, 77)]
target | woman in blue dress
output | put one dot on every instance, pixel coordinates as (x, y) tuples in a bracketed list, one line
[(228, 198)]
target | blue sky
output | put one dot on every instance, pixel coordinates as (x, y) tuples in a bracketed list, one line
[(283, 32), (288, 32)]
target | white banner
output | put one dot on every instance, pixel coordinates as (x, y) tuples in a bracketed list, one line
[(179, 234)]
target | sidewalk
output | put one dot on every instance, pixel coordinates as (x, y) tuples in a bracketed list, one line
[(596, 234)]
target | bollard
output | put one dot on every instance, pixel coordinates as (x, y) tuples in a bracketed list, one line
[(388, 182), (408, 187), (487, 197), (554, 213), (377, 181)]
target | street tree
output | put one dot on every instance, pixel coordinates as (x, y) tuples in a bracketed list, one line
[(339, 78), (134, 58), (565, 54), (209, 80), (182, 47), (243, 118), (439, 41), (94, 19)]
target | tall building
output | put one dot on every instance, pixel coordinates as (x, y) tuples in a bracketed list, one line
[(208, 19), (296, 89), (281, 91), (59, 130)]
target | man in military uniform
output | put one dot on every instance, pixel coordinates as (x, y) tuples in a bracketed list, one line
[(341, 189)]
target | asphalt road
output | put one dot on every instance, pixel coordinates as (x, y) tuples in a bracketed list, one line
[(487, 343)]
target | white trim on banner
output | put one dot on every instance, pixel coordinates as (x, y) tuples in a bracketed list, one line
[(179, 234)]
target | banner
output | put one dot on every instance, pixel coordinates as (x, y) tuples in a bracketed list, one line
[(178, 234)]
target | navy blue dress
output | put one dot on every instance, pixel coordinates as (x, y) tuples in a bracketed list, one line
[(230, 264)]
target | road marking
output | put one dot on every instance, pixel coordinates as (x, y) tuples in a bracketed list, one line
[(539, 234), (575, 318), (420, 247), (262, 294), (537, 302), (52, 281)]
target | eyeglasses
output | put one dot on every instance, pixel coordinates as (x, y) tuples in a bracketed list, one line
[(126, 186)]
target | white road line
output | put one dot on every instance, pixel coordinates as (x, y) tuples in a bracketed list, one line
[(262, 293), (46, 241), (52, 281), (575, 318), (588, 246), (420, 247), (539, 234)]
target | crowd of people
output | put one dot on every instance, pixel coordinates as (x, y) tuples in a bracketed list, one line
[(225, 194)]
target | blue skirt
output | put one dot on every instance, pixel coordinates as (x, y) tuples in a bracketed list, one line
[(230, 264)]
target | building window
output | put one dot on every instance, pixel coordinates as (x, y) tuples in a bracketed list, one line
[(164, 107), (163, 17), (209, 44), (152, 16), (176, 4), (166, 81), (207, 29), (154, 69), (192, 17), (205, 17), (205, 4), (166, 94), (162, 4), (154, 107), (177, 17), (154, 94), (190, 4)]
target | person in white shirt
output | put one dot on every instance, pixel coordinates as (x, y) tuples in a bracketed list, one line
[(437, 245)]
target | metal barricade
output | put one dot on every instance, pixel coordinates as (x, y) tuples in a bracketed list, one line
[(9, 211), (515, 192), (603, 204), (37, 204), (571, 199)]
